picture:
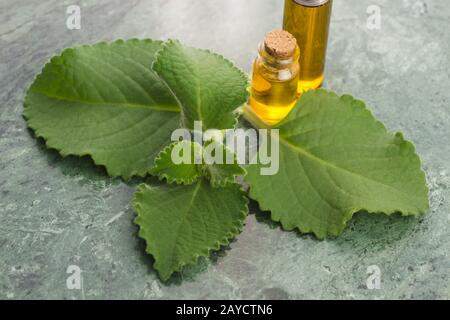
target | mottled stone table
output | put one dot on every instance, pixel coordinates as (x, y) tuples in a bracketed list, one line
[(56, 212)]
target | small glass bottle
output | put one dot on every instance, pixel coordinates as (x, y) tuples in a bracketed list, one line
[(275, 77), (309, 22)]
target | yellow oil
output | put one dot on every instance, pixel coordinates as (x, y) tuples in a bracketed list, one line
[(273, 98), (310, 26)]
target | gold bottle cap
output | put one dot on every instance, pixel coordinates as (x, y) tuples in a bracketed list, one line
[(280, 44)]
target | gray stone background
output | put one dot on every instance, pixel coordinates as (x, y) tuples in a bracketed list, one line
[(55, 212)]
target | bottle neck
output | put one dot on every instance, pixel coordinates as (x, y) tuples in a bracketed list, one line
[(278, 63)]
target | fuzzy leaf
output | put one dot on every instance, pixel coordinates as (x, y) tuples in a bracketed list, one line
[(207, 86), (225, 169), (181, 223), (104, 101), (198, 163), (337, 159), (180, 173)]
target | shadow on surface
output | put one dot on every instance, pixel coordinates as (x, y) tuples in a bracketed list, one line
[(364, 227), (188, 273), (74, 166), (376, 231)]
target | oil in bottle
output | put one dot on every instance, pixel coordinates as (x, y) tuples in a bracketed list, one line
[(275, 77), (308, 21)]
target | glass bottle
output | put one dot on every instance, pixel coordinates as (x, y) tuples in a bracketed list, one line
[(275, 77), (309, 21)]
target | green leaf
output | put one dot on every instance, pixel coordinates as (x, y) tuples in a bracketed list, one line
[(104, 101), (209, 161), (337, 159), (207, 86), (181, 223), (222, 171), (182, 173)]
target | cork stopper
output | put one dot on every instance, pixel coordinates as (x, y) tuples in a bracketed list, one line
[(280, 44)]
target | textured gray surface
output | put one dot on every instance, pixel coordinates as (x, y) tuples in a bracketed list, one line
[(56, 212)]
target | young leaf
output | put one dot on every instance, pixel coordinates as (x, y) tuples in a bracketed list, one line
[(181, 223), (225, 168), (207, 86), (104, 101), (195, 161), (180, 173), (337, 159)]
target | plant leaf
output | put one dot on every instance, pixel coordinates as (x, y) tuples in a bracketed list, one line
[(181, 223), (183, 173), (337, 159), (207, 86), (104, 101), (221, 169), (225, 168)]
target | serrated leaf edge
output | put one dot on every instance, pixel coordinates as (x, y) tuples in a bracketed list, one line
[(62, 151), (170, 180), (221, 183), (221, 57), (350, 212), (206, 252)]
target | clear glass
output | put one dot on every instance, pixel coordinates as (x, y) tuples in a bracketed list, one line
[(309, 22), (274, 85)]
